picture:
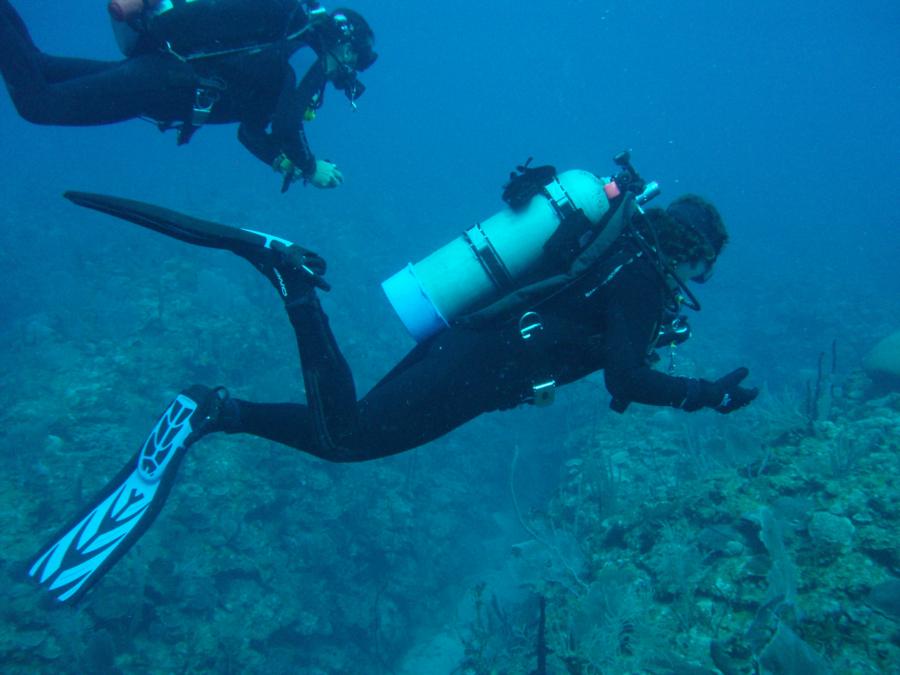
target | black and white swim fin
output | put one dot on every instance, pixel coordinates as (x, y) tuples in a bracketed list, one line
[(261, 249), (101, 534)]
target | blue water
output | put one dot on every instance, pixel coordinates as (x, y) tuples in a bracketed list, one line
[(786, 115)]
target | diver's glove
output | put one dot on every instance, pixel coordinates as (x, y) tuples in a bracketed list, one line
[(327, 175), (287, 168), (725, 395)]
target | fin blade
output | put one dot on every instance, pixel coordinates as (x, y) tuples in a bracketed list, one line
[(174, 224), (79, 555)]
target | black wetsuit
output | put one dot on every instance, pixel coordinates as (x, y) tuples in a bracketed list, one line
[(257, 89), (463, 372)]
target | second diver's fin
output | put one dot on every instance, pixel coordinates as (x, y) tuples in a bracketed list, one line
[(94, 541), (261, 249)]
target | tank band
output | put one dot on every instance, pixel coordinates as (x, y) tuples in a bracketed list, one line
[(560, 200), (487, 255)]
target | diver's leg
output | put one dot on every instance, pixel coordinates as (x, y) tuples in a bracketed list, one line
[(53, 68), (80, 92), (330, 391), (10, 17), (439, 386), (18, 56), (330, 418), (57, 69), (329, 421), (435, 382)]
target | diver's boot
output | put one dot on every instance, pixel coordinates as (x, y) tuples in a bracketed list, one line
[(294, 275), (90, 544)]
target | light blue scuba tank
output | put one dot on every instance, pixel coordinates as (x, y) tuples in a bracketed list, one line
[(487, 260)]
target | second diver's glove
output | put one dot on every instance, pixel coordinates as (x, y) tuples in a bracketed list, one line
[(325, 175), (287, 168), (725, 395)]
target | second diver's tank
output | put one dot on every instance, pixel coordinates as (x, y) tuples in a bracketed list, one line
[(126, 10), (490, 259), (200, 28)]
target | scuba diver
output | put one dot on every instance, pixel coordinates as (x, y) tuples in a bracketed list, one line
[(196, 62), (574, 276)]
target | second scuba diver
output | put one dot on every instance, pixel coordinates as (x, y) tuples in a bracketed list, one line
[(574, 277), (197, 62)]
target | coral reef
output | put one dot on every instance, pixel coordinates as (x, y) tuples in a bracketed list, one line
[(744, 547)]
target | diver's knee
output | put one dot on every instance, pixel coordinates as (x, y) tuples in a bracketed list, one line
[(30, 108), (31, 114), (342, 454)]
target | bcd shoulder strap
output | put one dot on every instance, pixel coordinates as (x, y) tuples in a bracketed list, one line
[(511, 306)]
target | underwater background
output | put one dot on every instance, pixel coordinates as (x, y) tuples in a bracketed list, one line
[(655, 541)]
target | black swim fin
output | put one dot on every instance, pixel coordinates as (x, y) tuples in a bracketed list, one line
[(93, 542), (264, 251)]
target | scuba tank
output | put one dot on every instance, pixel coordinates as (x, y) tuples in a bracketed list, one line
[(191, 27), (126, 16), (495, 256), (126, 10)]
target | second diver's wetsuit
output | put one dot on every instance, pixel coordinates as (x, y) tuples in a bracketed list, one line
[(465, 371), (257, 89)]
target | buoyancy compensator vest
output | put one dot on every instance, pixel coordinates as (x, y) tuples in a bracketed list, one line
[(195, 27)]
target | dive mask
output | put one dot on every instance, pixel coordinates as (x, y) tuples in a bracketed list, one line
[(705, 270)]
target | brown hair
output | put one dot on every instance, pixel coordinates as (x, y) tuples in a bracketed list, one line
[(689, 229)]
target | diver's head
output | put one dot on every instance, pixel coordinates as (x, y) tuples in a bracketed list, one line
[(346, 48), (356, 33), (346, 39), (691, 234)]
